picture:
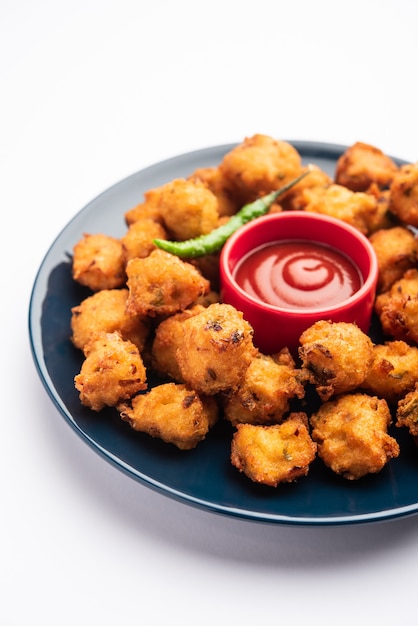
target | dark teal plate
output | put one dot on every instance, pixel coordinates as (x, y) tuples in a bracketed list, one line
[(203, 477)]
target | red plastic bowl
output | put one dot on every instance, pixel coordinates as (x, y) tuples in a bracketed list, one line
[(276, 327)]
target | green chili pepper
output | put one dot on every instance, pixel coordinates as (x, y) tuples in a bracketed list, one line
[(213, 241)]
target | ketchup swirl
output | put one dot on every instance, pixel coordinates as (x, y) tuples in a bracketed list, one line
[(298, 274)]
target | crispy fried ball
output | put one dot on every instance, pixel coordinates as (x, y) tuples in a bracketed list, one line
[(396, 252), (275, 454), (208, 298), (393, 372), (351, 433), (259, 165), (208, 266), (404, 194), (407, 413), (216, 182), (173, 413), (105, 311), (113, 371), (297, 197), (168, 338), (189, 208), (161, 283), (382, 218), (397, 308), (98, 262), (216, 350), (353, 207), (363, 164), (264, 393), (138, 241), (336, 355), (148, 209)]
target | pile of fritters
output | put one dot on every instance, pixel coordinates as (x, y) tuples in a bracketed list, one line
[(151, 311)]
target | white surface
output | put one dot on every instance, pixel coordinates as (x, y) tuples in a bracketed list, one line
[(90, 93)]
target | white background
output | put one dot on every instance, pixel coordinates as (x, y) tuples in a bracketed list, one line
[(90, 93)]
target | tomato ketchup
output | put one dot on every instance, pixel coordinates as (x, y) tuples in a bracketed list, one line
[(298, 275)]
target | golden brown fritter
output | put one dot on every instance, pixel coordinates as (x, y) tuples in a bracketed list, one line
[(362, 165), (168, 338), (216, 350), (298, 197), (259, 165), (398, 308), (353, 207), (208, 266), (264, 393), (138, 241), (173, 413), (105, 311), (162, 284), (407, 413), (336, 355), (351, 433), (148, 209), (393, 372), (98, 262), (208, 298), (382, 217), (275, 454), (188, 207), (404, 194), (113, 371), (396, 252), (216, 182)]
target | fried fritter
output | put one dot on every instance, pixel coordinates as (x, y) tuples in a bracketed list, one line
[(208, 266), (362, 165), (404, 194), (98, 262), (351, 433), (216, 182), (259, 165), (168, 338), (298, 197), (382, 217), (216, 350), (393, 372), (336, 355), (396, 252), (353, 207), (138, 241), (212, 297), (397, 308), (264, 393), (275, 454), (407, 413), (173, 413), (161, 283), (105, 311), (148, 209), (113, 371), (188, 207)]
